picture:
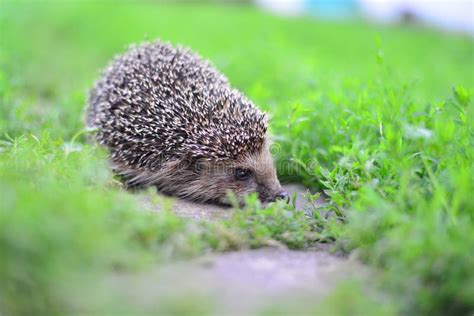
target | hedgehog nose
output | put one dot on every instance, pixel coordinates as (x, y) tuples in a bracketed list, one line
[(283, 196)]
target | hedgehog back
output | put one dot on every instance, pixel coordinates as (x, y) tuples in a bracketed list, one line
[(156, 103)]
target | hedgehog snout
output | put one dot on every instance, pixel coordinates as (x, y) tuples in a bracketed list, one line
[(278, 195), (283, 196), (270, 190)]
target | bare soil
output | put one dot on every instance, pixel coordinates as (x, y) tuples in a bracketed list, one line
[(243, 282)]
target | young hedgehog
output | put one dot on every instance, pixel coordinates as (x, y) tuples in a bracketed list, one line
[(171, 120)]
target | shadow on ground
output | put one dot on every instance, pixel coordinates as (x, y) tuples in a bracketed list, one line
[(214, 212)]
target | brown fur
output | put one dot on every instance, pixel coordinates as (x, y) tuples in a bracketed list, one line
[(208, 181)]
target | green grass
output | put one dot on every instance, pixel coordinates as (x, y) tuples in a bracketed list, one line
[(379, 118)]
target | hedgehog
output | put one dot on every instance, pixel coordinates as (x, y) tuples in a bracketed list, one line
[(170, 119)]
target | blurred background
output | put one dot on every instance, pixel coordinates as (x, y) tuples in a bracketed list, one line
[(66, 43), (455, 15)]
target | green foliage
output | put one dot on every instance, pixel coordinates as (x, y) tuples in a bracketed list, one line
[(380, 119), (404, 182), (63, 217), (56, 217)]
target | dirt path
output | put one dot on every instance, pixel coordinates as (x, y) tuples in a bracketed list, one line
[(243, 282)]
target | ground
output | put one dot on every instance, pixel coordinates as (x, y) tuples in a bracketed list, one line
[(243, 282), (246, 282)]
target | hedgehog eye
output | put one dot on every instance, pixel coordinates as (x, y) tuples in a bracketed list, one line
[(242, 174)]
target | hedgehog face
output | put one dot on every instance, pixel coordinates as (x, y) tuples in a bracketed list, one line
[(256, 173), (211, 181)]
